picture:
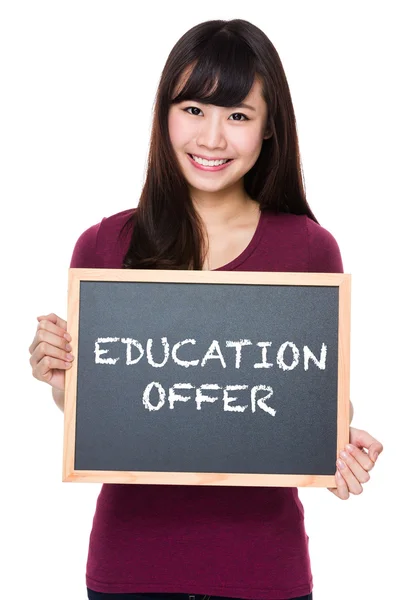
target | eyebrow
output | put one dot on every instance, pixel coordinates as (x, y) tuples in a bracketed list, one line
[(243, 105), (240, 105)]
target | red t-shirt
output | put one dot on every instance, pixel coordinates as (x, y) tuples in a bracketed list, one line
[(222, 541)]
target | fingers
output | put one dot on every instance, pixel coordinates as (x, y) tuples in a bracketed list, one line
[(351, 481), (43, 336), (50, 350), (50, 353), (358, 462), (54, 319), (46, 325), (353, 466), (45, 368), (341, 491), (354, 463)]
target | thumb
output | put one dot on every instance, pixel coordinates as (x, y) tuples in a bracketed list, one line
[(363, 439)]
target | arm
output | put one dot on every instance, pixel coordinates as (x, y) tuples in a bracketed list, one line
[(59, 398), (325, 257), (83, 256)]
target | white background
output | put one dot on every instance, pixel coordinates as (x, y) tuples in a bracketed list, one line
[(78, 82)]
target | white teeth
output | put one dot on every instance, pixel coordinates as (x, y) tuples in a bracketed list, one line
[(209, 163)]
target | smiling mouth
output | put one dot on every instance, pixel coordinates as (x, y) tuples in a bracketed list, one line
[(227, 160)]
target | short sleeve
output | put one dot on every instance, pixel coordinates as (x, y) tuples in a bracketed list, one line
[(84, 253), (324, 252)]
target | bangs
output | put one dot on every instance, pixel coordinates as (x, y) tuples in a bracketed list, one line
[(222, 75)]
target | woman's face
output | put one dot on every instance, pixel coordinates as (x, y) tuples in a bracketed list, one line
[(216, 132)]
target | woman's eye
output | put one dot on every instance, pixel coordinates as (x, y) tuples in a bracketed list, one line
[(196, 108), (191, 108), (241, 115)]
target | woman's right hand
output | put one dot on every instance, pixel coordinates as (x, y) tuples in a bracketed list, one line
[(50, 351)]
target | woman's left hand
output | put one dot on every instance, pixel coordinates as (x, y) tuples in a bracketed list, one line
[(356, 463)]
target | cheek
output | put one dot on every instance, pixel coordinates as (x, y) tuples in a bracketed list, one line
[(178, 130), (248, 144)]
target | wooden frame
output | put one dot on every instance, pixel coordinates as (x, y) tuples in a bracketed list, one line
[(342, 281)]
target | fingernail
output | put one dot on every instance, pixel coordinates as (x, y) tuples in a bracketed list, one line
[(343, 454), (67, 336), (341, 464), (350, 447), (69, 356), (375, 455), (68, 347)]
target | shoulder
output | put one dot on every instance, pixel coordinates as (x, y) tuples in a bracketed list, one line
[(324, 251), (103, 244), (304, 238)]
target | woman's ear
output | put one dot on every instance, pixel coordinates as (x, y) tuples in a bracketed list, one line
[(268, 132)]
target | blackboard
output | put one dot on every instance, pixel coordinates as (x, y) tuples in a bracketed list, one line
[(207, 378)]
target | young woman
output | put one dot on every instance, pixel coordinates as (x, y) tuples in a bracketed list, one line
[(223, 191)]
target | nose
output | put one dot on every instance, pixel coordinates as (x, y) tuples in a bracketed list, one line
[(211, 135)]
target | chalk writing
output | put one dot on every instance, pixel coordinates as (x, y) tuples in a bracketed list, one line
[(155, 396)]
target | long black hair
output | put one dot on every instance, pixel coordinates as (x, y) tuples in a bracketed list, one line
[(220, 61)]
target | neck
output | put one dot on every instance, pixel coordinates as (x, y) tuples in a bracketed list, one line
[(219, 210)]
